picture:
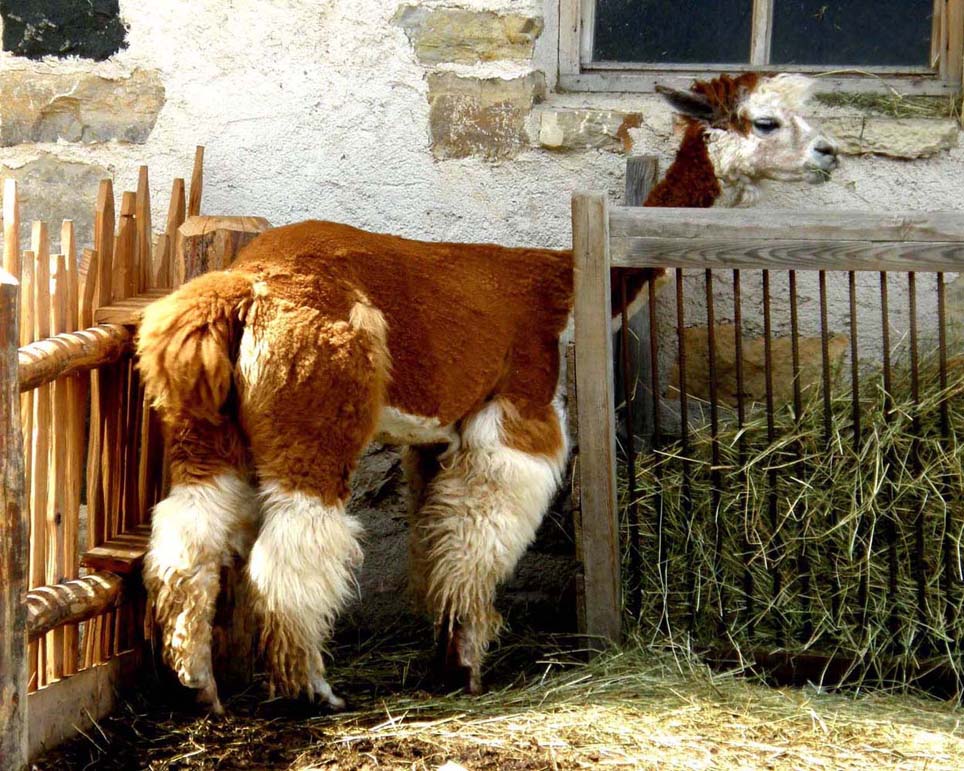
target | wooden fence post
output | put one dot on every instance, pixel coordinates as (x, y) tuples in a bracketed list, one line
[(13, 541), (596, 417)]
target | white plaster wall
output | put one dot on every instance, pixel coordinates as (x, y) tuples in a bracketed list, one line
[(318, 109)]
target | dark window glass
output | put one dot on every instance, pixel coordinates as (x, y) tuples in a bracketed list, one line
[(89, 28), (673, 31), (852, 32)]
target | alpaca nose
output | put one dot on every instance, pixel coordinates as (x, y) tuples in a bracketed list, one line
[(826, 152)]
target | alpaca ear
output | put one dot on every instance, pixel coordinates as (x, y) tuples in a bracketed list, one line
[(688, 103)]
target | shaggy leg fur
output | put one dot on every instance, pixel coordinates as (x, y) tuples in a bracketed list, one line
[(198, 528), (302, 572), (481, 512), (311, 390)]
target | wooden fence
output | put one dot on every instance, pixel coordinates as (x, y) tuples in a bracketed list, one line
[(713, 571), (78, 491)]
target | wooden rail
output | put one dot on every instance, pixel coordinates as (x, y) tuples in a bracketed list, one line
[(47, 360), (49, 607), (783, 239)]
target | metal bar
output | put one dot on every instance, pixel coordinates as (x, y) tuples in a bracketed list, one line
[(741, 446), (919, 572), (775, 540), (716, 482), (864, 532), (803, 559), (684, 440), (891, 524), (632, 504), (661, 557), (827, 426)]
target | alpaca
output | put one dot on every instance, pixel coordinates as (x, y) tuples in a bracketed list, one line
[(272, 377)]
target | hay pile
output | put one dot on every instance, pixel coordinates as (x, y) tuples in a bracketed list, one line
[(797, 555), (631, 708)]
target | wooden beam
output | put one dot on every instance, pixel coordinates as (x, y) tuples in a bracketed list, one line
[(71, 602), (786, 224), (122, 554), (63, 709), (46, 360), (128, 312), (211, 243), (13, 541), (597, 438), (705, 253)]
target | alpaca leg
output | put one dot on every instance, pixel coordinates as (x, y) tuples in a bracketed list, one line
[(420, 466), (481, 512), (301, 574), (209, 518), (311, 393)]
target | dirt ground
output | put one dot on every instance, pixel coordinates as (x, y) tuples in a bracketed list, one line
[(546, 709)]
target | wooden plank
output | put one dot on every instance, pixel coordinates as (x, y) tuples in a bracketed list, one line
[(46, 360), (954, 71), (786, 224), (72, 602), (104, 241), (788, 255), (78, 392), (597, 438), (197, 183), (125, 250), (116, 556), (645, 81), (142, 218), (40, 451), (129, 310), (13, 541), (63, 709), (176, 214), (761, 32), (57, 501), (11, 228), (211, 243)]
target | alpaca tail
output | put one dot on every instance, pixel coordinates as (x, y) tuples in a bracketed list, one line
[(188, 340)]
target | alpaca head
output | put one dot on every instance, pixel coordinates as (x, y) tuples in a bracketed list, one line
[(754, 128)]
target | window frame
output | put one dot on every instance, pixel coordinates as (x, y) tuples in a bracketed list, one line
[(577, 71)]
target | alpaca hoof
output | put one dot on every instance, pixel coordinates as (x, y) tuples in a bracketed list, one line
[(457, 674), (207, 699), (320, 693)]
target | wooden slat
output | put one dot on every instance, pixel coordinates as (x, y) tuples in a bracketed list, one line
[(128, 311), (761, 32), (40, 450), (603, 79), (197, 183), (954, 71), (125, 250), (786, 224), (703, 253), (13, 541), (57, 499), (104, 241), (597, 437), (74, 704), (142, 215), (11, 228), (46, 360), (78, 390), (122, 554), (71, 602)]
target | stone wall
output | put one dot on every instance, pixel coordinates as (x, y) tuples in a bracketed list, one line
[(428, 119)]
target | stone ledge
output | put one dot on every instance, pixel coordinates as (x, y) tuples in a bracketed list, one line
[(459, 35), (581, 129), (907, 138), (78, 107), (483, 117)]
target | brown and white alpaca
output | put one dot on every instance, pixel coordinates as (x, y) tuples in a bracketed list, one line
[(273, 376)]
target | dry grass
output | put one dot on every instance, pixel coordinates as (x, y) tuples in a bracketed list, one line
[(631, 708), (815, 543)]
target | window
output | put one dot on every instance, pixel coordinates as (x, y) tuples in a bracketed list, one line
[(915, 46)]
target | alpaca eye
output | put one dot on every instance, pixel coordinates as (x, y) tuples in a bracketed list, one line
[(766, 125)]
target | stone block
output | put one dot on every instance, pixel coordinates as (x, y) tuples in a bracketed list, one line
[(580, 129), (92, 29), (895, 137), (754, 365), (77, 107), (53, 190), (460, 35), (481, 116)]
